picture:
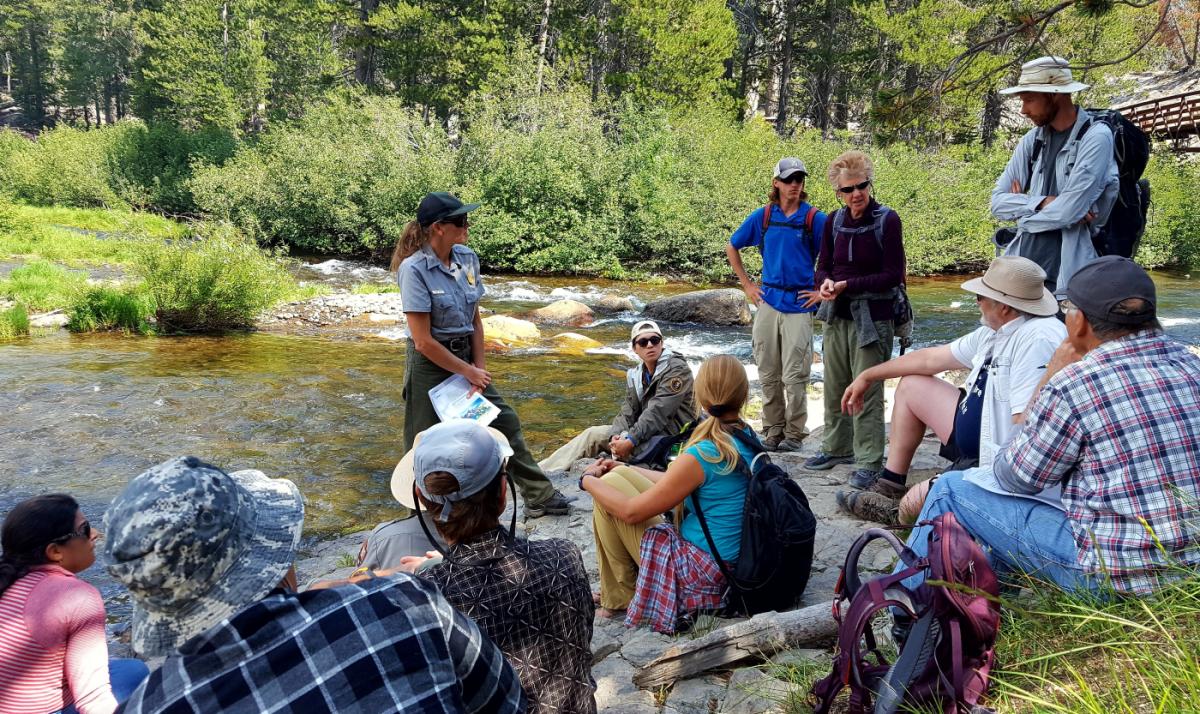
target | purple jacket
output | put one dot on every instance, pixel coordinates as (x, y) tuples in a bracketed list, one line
[(873, 270)]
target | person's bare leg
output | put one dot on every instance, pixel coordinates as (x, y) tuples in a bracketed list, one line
[(921, 402)]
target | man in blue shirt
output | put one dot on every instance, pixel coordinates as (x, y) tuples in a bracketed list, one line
[(787, 233)]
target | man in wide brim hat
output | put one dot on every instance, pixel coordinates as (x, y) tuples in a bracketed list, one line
[(1007, 355), (1061, 182)]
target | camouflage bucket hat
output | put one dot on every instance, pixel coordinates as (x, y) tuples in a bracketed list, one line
[(194, 544)]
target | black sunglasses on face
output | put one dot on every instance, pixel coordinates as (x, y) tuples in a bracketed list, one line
[(84, 531), (648, 341), (794, 178), (856, 187), (457, 221)]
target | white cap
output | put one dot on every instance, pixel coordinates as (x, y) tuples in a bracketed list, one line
[(642, 327)]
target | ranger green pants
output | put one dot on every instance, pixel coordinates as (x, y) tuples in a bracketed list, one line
[(421, 375), (861, 434)]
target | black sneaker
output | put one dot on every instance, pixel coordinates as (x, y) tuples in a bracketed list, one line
[(824, 462), (556, 505)]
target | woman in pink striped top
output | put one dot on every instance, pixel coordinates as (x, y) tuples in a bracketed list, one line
[(53, 652)]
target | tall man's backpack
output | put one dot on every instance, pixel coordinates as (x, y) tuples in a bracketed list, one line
[(902, 312), (949, 652), (778, 529), (1126, 223), (808, 226)]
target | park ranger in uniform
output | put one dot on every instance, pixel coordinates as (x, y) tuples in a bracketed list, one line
[(658, 404)]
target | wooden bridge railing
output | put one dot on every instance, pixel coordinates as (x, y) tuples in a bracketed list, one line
[(1175, 117)]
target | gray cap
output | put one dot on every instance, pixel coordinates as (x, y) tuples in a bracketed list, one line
[(194, 544), (788, 166), (463, 448)]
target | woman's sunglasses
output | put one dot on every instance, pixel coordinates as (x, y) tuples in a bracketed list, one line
[(856, 187), (794, 178), (84, 531), (648, 341), (457, 221)]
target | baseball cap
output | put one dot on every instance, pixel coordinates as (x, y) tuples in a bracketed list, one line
[(787, 167), (1102, 284), (439, 206), (194, 544), (464, 448), (642, 327)]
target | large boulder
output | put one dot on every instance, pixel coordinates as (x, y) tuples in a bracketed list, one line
[(564, 312), (502, 332), (725, 306), (613, 303)]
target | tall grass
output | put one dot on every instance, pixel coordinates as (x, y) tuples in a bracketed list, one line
[(14, 322), (216, 280), (41, 286), (125, 308)]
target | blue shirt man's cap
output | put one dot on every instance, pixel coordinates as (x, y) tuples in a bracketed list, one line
[(194, 544), (440, 205), (1102, 284), (787, 167), (464, 448)]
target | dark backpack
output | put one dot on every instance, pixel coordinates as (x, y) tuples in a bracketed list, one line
[(659, 450), (778, 529), (949, 651), (1126, 223)]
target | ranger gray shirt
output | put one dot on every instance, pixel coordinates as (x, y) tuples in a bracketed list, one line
[(449, 295), (662, 407)]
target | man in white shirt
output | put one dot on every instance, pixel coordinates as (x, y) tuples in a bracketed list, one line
[(1007, 356)]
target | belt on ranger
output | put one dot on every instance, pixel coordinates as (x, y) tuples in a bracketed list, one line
[(462, 343)]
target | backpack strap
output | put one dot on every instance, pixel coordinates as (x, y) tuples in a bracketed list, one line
[(1033, 157), (810, 218), (734, 588), (766, 216)]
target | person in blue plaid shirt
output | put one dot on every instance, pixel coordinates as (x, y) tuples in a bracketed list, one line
[(1115, 425), (207, 557)]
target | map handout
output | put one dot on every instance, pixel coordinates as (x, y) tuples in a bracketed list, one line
[(452, 399)]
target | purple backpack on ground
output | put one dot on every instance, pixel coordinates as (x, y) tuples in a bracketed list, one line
[(949, 651)]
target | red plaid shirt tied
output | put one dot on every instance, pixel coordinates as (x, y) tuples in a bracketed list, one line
[(675, 577), (1120, 430)]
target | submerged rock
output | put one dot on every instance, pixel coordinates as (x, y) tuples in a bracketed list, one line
[(725, 306), (502, 332), (573, 343), (564, 312)]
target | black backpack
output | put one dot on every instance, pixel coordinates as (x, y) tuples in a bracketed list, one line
[(778, 529), (1131, 150)]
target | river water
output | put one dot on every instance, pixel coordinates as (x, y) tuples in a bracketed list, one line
[(85, 413)]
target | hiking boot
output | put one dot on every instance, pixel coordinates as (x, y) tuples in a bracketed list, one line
[(790, 445), (869, 506), (771, 443), (824, 462), (867, 480), (556, 505)]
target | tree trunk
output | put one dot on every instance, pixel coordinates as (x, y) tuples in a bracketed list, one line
[(8, 73), (993, 109), (785, 69), (600, 57), (364, 52), (543, 35), (225, 33), (761, 636), (37, 90)]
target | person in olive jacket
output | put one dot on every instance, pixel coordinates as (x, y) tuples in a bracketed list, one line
[(658, 404)]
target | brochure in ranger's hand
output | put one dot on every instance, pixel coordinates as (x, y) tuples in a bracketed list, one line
[(452, 399)]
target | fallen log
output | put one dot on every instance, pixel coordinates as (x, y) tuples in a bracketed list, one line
[(761, 636)]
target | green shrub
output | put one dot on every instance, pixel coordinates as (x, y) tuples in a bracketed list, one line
[(126, 308), (151, 166), (65, 167), (14, 322), (345, 178), (41, 286), (216, 280), (1173, 227)]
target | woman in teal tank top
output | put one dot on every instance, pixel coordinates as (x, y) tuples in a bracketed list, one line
[(649, 569)]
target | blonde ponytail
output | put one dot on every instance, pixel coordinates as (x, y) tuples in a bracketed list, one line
[(721, 390)]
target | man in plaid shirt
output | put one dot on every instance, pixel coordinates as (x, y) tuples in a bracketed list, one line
[(208, 557), (1115, 424)]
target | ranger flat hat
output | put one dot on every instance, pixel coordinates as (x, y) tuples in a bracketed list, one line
[(1051, 75), (1017, 282), (194, 544), (464, 448)]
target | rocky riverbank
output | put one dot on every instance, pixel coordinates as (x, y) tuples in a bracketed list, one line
[(618, 651)]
